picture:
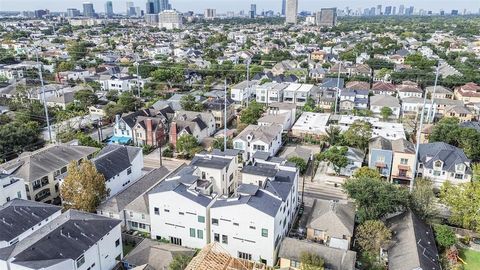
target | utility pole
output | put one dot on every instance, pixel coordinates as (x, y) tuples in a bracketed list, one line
[(419, 133), (40, 74), (160, 153), (338, 88), (430, 117), (136, 64), (248, 81), (225, 119)]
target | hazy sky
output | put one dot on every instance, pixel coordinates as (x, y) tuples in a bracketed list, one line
[(237, 5)]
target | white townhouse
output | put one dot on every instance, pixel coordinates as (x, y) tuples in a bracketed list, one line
[(414, 105), (280, 113), (297, 93), (131, 205), (252, 223), (179, 205), (11, 187), (121, 165), (21, 218), (442, 162), (120, 84), (258, 138), (243, 91), (270, 92), (73, 240)]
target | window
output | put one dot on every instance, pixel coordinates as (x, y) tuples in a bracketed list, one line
[(156, 210), (252, 227), (436, 173), (181, 213), (214, 221), (80, 261), (131, 214), (143, 216), (192, 232), (201, 219), (404, 161), (246, 256), (265, 232), (235, 224), (224, 239), (142, 226), (134, 224), (129, 171), (200, 234), (216, 237), (458, 176), (294, 264), (117, 243), (166, 210)]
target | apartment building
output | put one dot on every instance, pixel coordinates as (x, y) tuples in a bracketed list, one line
[(255, 138), (270, 92)]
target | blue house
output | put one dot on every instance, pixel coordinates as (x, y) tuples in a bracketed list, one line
[(380, 156)]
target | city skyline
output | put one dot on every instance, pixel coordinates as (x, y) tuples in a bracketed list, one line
[(223, 6)]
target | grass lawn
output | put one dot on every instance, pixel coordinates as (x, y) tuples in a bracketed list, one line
[(127, 248), (472, 259)]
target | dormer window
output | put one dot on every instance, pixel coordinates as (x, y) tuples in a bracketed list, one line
[(460, 167), (438, 164)]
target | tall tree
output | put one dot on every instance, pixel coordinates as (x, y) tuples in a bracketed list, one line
[(463, 201), (333, 135), (372, 235), (77, 50), (386, 112), (388, 197), (84, 187), (446, 130), (444, 236), (187, 144), (300, 163), (86, 98), (336, 156), (189, 103), (358, 134), (422, 199), (251, 114)]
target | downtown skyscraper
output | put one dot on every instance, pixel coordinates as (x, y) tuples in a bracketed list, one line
[(88, 10), (284, 7), (291, 11), (109, 9)]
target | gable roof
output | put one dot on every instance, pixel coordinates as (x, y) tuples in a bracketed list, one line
[(19, 215), (448, 154), (120, 201), (64, 238), (414, 244), (32, 166), (335, 218), (114, 159)]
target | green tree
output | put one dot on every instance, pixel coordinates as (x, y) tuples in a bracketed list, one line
[(86, 140), (77, 50), (358, 135), (169, 76), (336, 156), (446, 130), (84, 187), (463, 201), (218, 143), (179, 262), (422, 199), (333, 135), (366, 172), (444, 236), (299, 163), (129, 102), (311, 261), (65, 66), (187, 144), (112, 95), (309, 105), (389, 197), (251, 114), (189, 103), (86, 98), (372, 235), (386, 112), (18, 136)]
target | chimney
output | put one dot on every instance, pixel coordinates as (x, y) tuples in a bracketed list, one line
[(149, 135), (173, 133)]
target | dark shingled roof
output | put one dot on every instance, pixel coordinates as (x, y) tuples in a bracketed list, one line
[(414, 246), (259, 170), (212, 162), (448, 154), (114, 159), (17, 216), (66, 237)]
